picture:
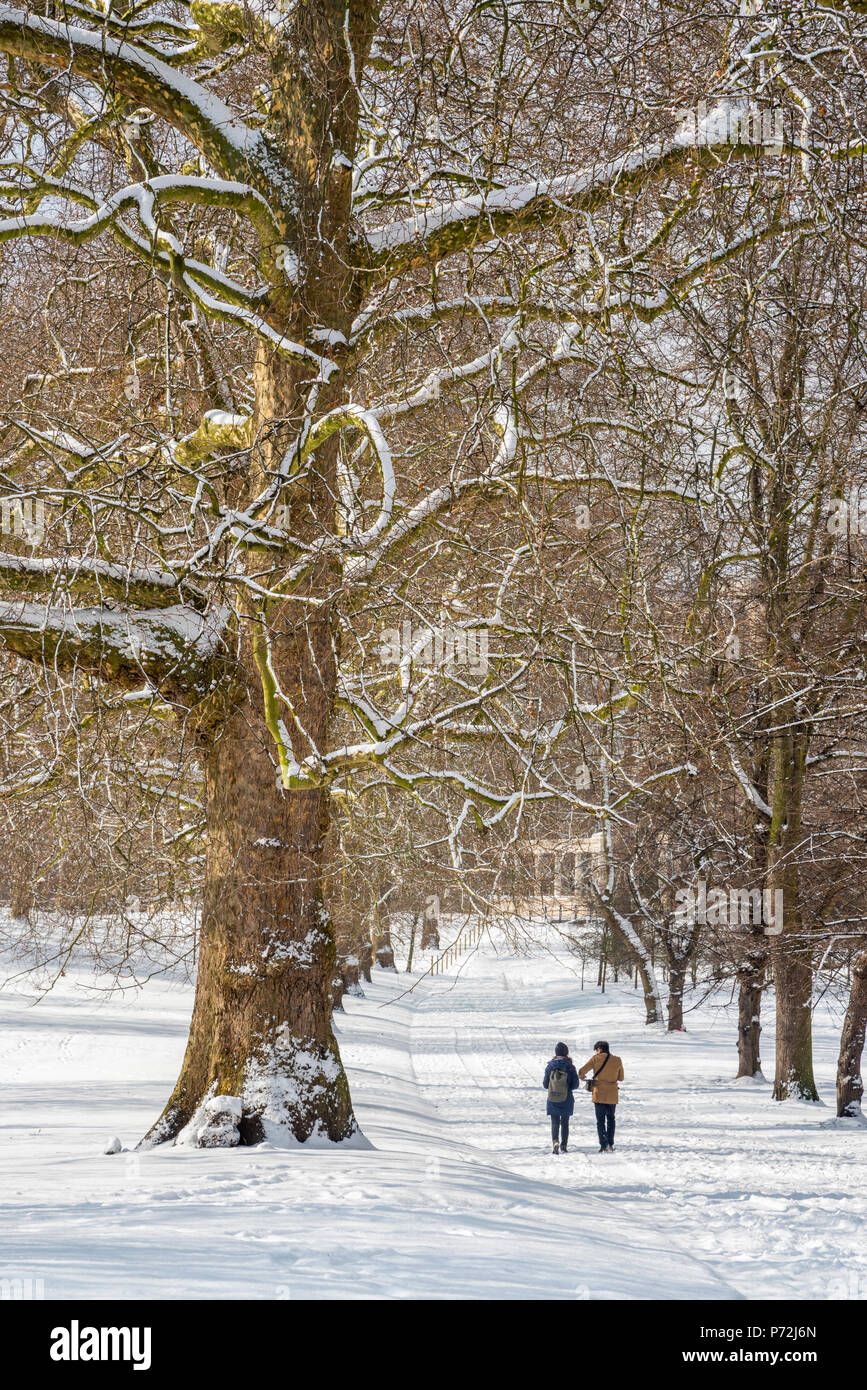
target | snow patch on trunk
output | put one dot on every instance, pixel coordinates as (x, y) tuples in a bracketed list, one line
[(215, 1124), (289, 1078)]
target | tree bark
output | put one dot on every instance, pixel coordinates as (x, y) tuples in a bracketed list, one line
[(792, 955), (365, 957), (381, 945), (651, 997), (751, 983), (383, 953), (850, 1085), (349, 967), (412, 935), (430, 936), (261, 1025), (793, 979), (677, 980)]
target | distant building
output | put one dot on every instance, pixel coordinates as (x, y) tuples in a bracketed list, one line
[(554, 877)]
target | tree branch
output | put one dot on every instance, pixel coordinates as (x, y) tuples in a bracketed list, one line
[(431, 236), (235, 149), (176, 650), (150, 588)]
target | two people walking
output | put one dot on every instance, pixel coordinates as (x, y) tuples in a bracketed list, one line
[(562, 1079)]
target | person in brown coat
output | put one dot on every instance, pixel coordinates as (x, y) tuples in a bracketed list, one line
[(607, 1071)]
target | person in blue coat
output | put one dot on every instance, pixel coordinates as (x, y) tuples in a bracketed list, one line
[(561, 1079)]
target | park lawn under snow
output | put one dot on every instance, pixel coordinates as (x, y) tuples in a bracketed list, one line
[(713, 1192)]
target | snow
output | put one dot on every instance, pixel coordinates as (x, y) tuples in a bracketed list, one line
[(225, 419), (713, 1190), (214, 1125), (271, 1089)]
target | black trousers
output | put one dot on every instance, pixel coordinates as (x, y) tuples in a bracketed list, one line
[(605, 1125), (560, 1129)]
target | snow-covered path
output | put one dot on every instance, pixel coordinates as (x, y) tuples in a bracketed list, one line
[(771, 1199), (713, 1193)]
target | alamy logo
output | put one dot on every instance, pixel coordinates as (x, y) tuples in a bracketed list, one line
[(23, 517), (76, 1343), (731, 123), (732, 907), (20, 1290), (445, 648), (847, 515)]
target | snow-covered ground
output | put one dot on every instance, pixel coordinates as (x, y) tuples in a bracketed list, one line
[(713, 1192)]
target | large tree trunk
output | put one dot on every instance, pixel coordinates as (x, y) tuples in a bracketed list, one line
[(850, 1086), (261, 1025)]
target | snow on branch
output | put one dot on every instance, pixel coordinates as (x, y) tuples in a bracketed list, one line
[(215, 294), (431, 235), (570, 344), (352, 416), (747, 786), (175, 649), (372, 324), (235, 149), (407, 523), (146, 197), (149, 587), (218, 430), (431, 388)]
